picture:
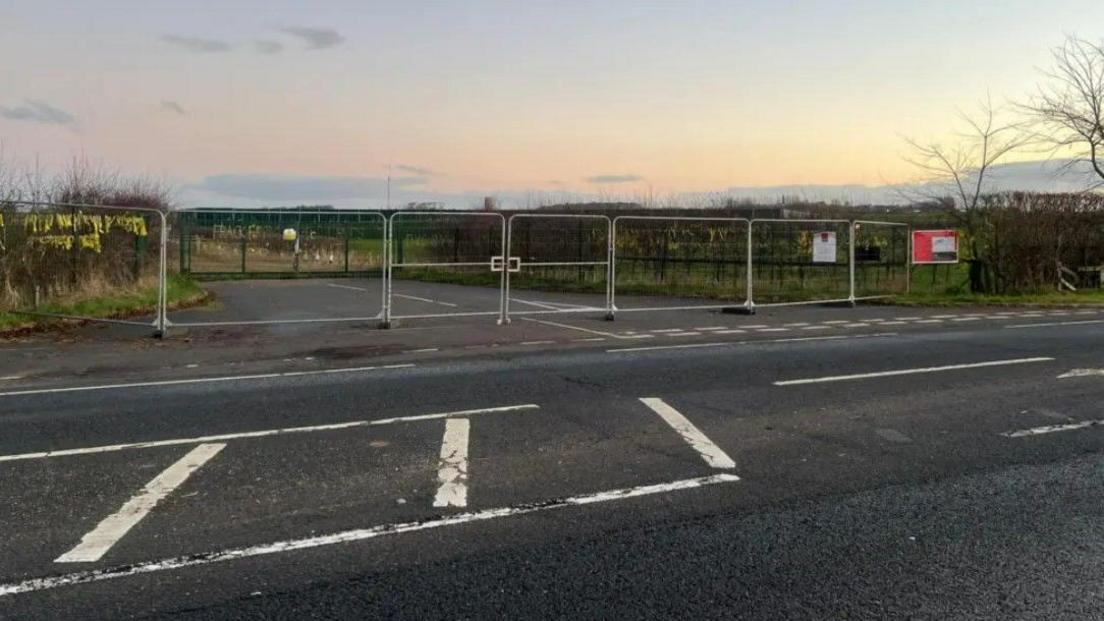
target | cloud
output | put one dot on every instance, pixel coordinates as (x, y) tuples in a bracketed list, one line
[(197, 44), (417, 170), (269, 47), (614, 178), (172, 106), (315, 38), (38, 112), (303, 188)]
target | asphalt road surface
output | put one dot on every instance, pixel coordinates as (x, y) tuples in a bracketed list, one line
[(802, 463)]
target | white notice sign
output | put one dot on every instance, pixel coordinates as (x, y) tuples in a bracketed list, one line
[(947, 243), (824, 247)]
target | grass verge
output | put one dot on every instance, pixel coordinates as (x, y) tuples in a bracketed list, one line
[(182, 292)]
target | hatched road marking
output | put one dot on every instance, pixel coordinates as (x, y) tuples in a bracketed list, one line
[(107, 533)]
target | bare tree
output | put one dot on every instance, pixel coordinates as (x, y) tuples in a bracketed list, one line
[(1068, 110), (961, 169)]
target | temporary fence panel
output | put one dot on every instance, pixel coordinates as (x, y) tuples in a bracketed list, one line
[(679, 263), (288, 250), (882, 267), (433, 255), (558, 253), (53, 255), (276, 243), (800, 262)]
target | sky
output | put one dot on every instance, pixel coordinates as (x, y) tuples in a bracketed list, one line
[(243, 102)]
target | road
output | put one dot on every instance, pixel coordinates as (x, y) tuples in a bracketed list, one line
[(947, 464)]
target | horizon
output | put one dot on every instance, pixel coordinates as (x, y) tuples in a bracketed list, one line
[(230, 104)]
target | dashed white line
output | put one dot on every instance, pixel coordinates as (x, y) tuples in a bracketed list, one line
[(111, 448), (452, 473), (96, 543), (817, 328), (685, 334), (949, 367), (1050, 324), (708, 328), (710, 452), (97, 575), (930, 321), (424, 350), (907, 318), (894, 323), (753, 342), (1082, 373), (537, 343), (856, 325), (731, 332), (836, 321), (667, 330), (202, 380), (8, 378), (589, 340), (773, 330), (966, 319)]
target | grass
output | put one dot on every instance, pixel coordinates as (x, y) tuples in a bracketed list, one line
[(182, 291)]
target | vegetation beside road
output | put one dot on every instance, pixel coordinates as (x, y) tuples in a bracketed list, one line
[(132, 302)]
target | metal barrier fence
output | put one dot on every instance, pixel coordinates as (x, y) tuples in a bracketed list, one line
[(639, 263), (798, 261), (473, 243), (700, 261), (60, 249), (564, 251), (236, 244), (883, 265)]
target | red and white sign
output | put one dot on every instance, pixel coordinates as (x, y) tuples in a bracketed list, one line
[(934, 247)]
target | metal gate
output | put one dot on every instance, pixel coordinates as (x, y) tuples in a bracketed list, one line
[(883, 259), (799, 261), (558, 253), (446, 249), (286, 255)]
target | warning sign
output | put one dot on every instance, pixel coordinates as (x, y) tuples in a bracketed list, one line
[(934, 247), (824, 247)]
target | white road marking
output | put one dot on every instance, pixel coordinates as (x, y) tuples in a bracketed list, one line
[(835, 321), (894, 323), (796, 324), (425, 350), (710, 452), (96, 543), (949, 367), (943, 316), (537, 343), (1053, 323), (1082, 373), (202, 380), (817, 328), (754, 342), (667, 330), (8, 378), (330, 284), (556, 305), (587, 330), (708, 328), (731, 332), (452, 473), (966, 319), (97, 575), (773, 330), (907, 318), (589, 340), (418, 299), (752, 326), (685, 334), (1085, 312), (110, 448), (1038, 431), (856, 325), (930, 321)]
